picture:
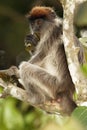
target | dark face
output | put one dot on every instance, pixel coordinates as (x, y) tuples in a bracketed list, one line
[(31, 40), (37, 24)]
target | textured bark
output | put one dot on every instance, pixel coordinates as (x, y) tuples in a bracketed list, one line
[(71, 50)]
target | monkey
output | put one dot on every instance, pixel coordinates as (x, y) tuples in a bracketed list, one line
[(46, 76)]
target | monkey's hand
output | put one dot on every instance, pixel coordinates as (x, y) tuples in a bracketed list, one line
[(31, 41), (10, 75)]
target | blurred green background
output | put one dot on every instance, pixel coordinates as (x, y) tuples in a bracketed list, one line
[(14, 114)]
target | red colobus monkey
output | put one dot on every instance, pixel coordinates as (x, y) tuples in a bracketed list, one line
[(46, 76)]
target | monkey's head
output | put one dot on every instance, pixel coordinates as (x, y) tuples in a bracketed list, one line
[(41, 18)]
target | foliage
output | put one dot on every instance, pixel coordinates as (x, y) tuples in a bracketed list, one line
[(81, 115), (16, 115)]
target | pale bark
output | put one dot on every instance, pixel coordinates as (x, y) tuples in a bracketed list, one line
[(80, 81)]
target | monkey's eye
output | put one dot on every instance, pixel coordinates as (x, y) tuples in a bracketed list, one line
[(39, 21)]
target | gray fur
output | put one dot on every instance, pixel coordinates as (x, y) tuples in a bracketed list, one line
[(46, 76)]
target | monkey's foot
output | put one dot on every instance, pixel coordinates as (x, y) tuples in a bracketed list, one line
[(51, 107)]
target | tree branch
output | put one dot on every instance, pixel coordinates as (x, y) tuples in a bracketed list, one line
[(71, 50), (14, 91)]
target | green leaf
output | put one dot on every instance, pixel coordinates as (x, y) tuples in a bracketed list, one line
[(12, 118), (84, 69), (80, 114), (1, 89)]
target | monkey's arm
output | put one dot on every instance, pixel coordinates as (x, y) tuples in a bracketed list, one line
[(37, 58)]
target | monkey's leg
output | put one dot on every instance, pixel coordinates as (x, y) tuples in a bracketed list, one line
[(37, 96), (40, 78)]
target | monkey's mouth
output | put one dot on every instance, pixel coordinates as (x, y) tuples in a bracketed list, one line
[(31, 41)]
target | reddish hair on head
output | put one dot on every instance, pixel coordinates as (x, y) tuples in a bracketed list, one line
[(39, 11)]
